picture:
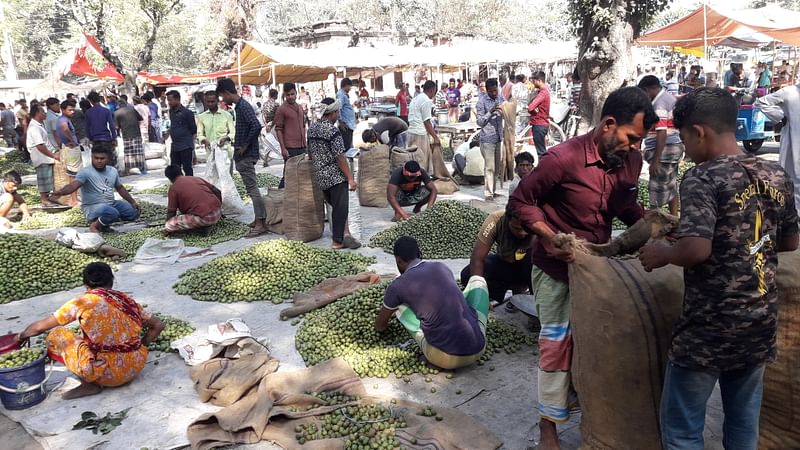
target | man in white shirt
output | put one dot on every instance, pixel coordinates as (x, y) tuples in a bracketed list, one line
[(521, 94), (420, 126), (43, 155)]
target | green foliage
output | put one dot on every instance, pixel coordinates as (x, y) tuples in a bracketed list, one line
[(13, 161), (271, 271), (601, 15)]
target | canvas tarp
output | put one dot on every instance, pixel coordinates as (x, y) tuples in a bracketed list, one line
[(86, 59), (773, 22)]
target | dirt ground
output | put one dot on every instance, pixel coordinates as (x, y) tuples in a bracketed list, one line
[(163, 401)]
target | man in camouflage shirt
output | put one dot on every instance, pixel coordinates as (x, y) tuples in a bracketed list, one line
[(737, 213)]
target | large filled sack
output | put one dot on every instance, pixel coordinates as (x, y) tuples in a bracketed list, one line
[(303, 203), (60, 179), (400, 156), (373, 175), (780, 408), (273, 203), (217, 173), (622, 320), (154, 150), (445, 185), (155, 164)]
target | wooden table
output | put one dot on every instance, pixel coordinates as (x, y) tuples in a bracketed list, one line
[(460, 131)]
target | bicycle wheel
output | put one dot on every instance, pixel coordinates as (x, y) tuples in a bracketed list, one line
[(555, 135)]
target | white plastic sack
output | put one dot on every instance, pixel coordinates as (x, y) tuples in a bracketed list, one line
[(83, 242), (232, 337), (270, 148), (155, 164), (157, 251), (153, 150), (120, 155), (217, 173)]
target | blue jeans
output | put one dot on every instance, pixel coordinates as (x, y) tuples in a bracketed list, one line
[(539, 136), (109, 213), (683, 407)]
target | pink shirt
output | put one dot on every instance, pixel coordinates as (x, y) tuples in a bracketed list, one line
[(144, 112)]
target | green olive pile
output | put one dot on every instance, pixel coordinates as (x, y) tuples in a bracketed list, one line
[(225, 230), (345, 329), (31, 266), (264, 180), (20, 357), (448, 230), (13, 161), (362, 427), (150, 212), (270, 270), (174, 329)]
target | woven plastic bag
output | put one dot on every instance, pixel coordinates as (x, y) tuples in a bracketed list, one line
[(217, 173)]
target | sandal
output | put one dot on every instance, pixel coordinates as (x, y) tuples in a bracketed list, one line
[(254, 233), (351, 243)]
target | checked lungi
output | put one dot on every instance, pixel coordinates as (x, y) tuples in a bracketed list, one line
[(45, 181), (185, 222), (134, 154)]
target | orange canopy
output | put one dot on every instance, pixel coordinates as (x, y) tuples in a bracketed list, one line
[(86, 60), (161, 79), (774, 22)]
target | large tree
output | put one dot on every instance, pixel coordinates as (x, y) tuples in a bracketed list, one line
[(606, 30)]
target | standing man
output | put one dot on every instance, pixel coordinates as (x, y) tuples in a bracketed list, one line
[(216, 126), (539, 109), (8, 125), (78, 120), (127, 120), (332, 172), (401, 100), (506, 85), (521, 95), (784, 107), (347, 116), (290, 124), (737, 213), (420, 126), (490, 119), (154, 129), (245, 149), (663, 148), (100, 127), (182, 129), (578, 187), (43, 156), (269, 109), (23, 120), (453, 97), (97, 184), (144, 123), (53, 113), (440, 101), (70, 149)]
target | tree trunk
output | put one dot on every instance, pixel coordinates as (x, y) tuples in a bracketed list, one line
[(145, 56), (605, 62)]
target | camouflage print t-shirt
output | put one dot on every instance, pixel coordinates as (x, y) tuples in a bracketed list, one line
[(745, 206)]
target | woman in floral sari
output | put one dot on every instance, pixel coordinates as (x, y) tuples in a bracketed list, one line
[(110, 350)]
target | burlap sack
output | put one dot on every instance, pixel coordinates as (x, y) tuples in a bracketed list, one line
[(780, 408), (399, 156), (327, 292), (445, 185), (622, 320), (303, 203), (60, 179), (273, 202), (373, 175)]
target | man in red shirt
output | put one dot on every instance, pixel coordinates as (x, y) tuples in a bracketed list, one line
[(199, 203), (401, 100), (539, 109), (290, 125), (578, 187)]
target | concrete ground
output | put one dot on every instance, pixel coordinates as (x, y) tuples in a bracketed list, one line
[(163, 400)]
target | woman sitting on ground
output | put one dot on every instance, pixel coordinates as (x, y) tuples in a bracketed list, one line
[(111, 350)]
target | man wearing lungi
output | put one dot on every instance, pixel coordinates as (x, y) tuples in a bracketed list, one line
[(193, 203), (663, 148), (127, 120)]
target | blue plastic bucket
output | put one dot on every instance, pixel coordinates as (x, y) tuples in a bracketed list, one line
[(24, 386)]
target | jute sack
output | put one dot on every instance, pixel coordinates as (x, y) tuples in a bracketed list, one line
[(779, 426), (622, 320), (373, 175), (273, 202), (60, 179), (399, 156), (445, 185), (303, 208)]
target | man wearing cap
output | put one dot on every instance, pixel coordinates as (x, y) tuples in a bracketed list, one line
[(410, 185), (332, 171)]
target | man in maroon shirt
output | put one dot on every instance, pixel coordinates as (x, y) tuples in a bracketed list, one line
[(193, 203), (539, 109), (290, 124), (578, 187)]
